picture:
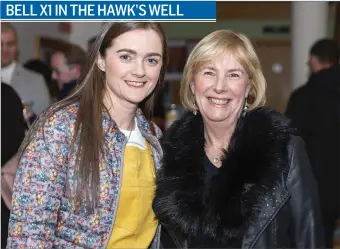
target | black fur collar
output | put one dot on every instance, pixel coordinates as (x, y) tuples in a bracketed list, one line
[(254, 163)]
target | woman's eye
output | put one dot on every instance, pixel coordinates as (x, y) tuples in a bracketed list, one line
[(209, 73), (125, 57), (152, 61), (234, 76)]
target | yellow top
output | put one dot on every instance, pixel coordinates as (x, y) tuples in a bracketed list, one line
[(135, 225)]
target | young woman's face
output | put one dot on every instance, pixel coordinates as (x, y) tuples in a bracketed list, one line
[(132, 66)]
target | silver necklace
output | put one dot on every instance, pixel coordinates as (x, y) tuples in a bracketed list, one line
[(130, 132), (216, 160), (129, 136)]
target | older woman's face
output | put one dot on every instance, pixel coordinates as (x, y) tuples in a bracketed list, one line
[(220, 89)]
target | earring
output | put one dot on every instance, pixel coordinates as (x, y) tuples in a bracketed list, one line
[(194, 102), (245, 108)]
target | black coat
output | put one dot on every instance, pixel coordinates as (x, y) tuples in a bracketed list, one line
[(264, 193), (12, 134), (315, 111), (12, 123)]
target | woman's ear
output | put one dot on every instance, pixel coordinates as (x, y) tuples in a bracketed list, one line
[(101, 63), (192, 87)]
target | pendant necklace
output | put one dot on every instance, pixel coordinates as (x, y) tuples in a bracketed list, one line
[(216, 160)]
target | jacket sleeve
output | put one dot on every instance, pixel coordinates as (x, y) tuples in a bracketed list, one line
[(307, 230), (39, 186)]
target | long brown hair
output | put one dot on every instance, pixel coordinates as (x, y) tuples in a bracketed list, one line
[(89, 95)]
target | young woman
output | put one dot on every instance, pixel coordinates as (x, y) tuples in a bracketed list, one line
[(86, 174)]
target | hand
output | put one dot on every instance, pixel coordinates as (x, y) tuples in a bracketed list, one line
[(28, 112)]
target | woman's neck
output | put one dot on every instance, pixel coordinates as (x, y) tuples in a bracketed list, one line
[(123, 115), (218, 135)]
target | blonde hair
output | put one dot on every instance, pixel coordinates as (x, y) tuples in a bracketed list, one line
[(212, 47)]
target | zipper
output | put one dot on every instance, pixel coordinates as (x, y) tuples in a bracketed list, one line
[(269, 221), (118, 196)]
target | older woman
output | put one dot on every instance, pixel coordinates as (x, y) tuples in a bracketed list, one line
[(234, 173)]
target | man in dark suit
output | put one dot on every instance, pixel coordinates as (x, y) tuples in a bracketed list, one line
[(315, 111)]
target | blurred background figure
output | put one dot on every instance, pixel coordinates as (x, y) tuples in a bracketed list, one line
[(90, 43), (12, 134), (29, 85), (315, 110), (45, 70), (66, 68)]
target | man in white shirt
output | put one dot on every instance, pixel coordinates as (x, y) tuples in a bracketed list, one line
[(30, 86), (7, 72)]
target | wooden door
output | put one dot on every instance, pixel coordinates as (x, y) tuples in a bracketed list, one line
[(275, 59)]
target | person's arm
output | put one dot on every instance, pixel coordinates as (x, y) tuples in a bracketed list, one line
[(307, 230), (39, 186), (8, 172)]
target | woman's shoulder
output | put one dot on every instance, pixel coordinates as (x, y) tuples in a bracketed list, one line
[(297, 152), (185, 123), (147, 125), (266, 123), (267, 115), (58, 118), (52, 132), (69, 111)]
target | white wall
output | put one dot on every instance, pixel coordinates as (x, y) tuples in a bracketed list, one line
[(28, 33), (81, 32)]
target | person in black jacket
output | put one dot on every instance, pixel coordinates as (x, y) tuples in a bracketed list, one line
[(234, 173), (12, 134), (315, 110)]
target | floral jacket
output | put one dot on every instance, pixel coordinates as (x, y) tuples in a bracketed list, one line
[(42, 214)]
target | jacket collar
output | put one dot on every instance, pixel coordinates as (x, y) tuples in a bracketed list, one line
[(143, 124), (252, 166), (110, 126)]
